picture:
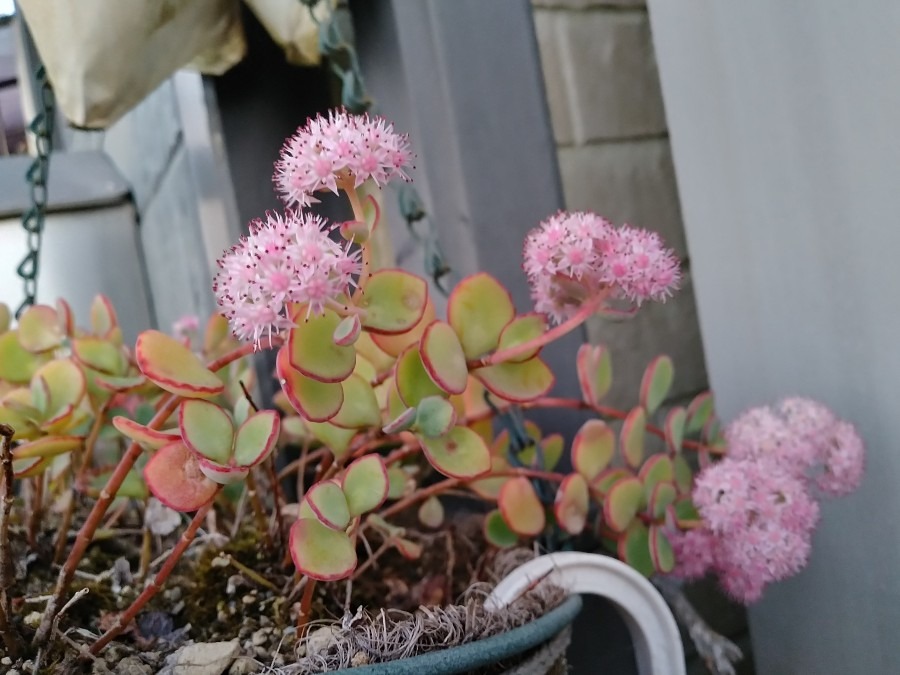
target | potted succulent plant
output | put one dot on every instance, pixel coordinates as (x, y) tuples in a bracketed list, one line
[(392, 410)]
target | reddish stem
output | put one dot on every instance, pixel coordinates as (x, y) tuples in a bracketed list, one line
[(155, 585), (305, 606), (10, 634)]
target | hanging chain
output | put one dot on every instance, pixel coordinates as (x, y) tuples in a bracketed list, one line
[(342, 57), (33, 219)]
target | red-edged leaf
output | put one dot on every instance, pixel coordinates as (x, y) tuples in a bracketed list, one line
[(622, 503), (207, 430), (521, 330), (460, 454), (443, 358), (174, 477), (413, 381), (312, 351), (328, 502), (497, 532), (479, 309), (661, 553), (521, 508), (145, 436), (173, 367), (674, 429), (393, 300), (656, 383), (365, 484), (632, 437), (315, 400), (572, 503), (699, 412), (320, 552), (256, 437), (48, 446), (594, 372), (634, 548), (517, 382), (593, 448), (39, 329)]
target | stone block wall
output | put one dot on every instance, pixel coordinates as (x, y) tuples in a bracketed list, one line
[(613, 149)]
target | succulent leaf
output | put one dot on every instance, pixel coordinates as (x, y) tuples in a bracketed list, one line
[(142, 435), (328, 502), (334, 438), (661, 553), (206, 429), (521, 508), (632, 437), (16, 363), (173, 367), (657, 469), (401, 422), (520, 330), (365, 484), (256, 437), (593, 448), (48, 446), (393, 300), (517, 382), (413, 381), (684, 475), (656, 383), (394, 345), (594, 372), (572, 503), (103, 316), (223, 475), (315, 400), (347, 331), (320, 552), (39, 329), (699, 411), (435, 416), (174, 477), (479, 309), (674, 429), (431, 513), (443, 358), (634, 548), (312, 351), (622, 503), (460, 454), (497, 532), (360, 408), (663, 494)]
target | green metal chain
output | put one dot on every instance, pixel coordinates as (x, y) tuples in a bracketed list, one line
[(344, 62), (33, 219)]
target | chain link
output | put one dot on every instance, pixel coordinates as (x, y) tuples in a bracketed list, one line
[(36, 176), (344, 61)]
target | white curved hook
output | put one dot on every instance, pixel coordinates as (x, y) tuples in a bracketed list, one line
[(657, 643)]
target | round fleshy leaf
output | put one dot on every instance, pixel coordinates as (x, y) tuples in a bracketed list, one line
[(632, 437), (312, 351), (65, 384), (101, 355), (48, 446), (410, 550), (594, 372), (103, 316), (400, 483), (657, 469), (443, 358), (66, 317), (684, 475), (314, 400), (674, 429), (661, 552), (497, 532), (551, 449), (39, 329), (489, 488), (593, 448), (572, 503), (215, 334), (16, 363), (320, 552), (63, 420), (663, 495), (517, 382), (30, 466), (173, 367), (174, 477), (479, 309), (223, 475), (206, 429), (460, 454), (656, 383), (334, 438), (394, 345), (365, 484), (521, 508), (431, 513), (520, 330), (328, 502), (394, 301), (699, 411), (142, 435), (24, 427), (634, 548), (256, 437), (360, 408), (685, 509), (435, 416), (133, 487), (120, 384), (347, 331), (622, 503), (413, 381), (401, 422)]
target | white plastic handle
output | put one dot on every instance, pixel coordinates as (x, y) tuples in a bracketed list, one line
[(657, 643)]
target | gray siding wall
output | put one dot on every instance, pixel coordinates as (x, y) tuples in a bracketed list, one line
[(784, 129)]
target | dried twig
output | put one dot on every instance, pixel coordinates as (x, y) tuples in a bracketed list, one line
[(11, 637)]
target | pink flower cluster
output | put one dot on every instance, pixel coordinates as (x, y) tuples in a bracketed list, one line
[(757, 504), (572, 258), (285, 259), (339, 147)]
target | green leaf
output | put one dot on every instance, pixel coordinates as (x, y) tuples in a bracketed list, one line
[(663, 495), (460, 454), (658, 469), (552, 448), (103, 316), (521, 508), (174, 477), (594, 372), (65, 384), (443, 358), (206, 429), (312, 350), (173, 367), (413, 381), (489, 488), (656, 383), (685, 509), (393, 301), (631, 437), (223, 475), (435, 416), (39, 329), (132, 487), (256, 438), (399, 484), (517, 382), (622, 503), (431, 513), (30, 466), (48, 446), (394, 345), (316, 401), (16, 363), (479, 309), (661, 553), (328, 502), (634, 548), (497, 532), (144, 436), (99, 354), (604, 481), (684, 475), (334, 438), (699, 411), (572, 503), (347, 331), (521, 330), (360, 408), (593, 448), (401, 422), (674, 429), (366, 484), (320, 552)]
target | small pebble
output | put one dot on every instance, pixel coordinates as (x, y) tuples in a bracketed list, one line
[(6, 661), (33, 620), (220, 561), (248, 599), (244, 666), (260, 637), (172, 594), (359, 659)]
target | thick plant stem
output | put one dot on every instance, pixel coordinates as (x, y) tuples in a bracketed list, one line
[(155, 585), (585, 312), (305, 608), (167, 406), (11, 637)]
